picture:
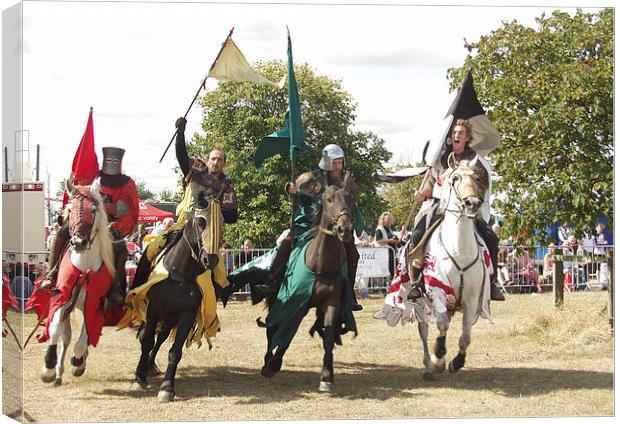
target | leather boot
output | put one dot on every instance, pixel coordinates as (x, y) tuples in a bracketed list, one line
[(56, 249), (278, 267), (353, 257)]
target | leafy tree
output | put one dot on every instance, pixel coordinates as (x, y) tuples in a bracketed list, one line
[(169, 196), (238, 115), (144, 193), (549, 91)]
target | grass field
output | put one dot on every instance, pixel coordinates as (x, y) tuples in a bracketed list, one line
[(534, 361)]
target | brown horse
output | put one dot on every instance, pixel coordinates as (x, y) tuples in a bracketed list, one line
[(324, 259)]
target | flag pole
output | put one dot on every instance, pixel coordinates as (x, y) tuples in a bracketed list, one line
[(202, 85)]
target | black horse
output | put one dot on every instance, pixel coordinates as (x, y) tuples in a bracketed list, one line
[(325, 257), (174, 302)]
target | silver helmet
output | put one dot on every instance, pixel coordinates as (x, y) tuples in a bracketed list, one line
[(112, 160), (330, 152)]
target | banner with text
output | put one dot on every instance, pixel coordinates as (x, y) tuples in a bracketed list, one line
[(373, 262)]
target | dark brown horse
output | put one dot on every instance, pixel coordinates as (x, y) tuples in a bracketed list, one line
[(331, 294), (174, 301)]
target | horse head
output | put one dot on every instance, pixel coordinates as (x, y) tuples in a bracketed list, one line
[(463, 180), (83, 208), (336, 218)]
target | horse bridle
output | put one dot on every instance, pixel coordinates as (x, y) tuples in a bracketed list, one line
[(332, 224), (460, 212), (81, 222), (195, 255)]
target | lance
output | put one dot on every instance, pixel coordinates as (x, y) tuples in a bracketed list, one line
[(13, 333), (43, 316), (417, 203), (202, 85)]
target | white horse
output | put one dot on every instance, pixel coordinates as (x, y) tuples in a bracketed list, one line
[(456, 265), (86, 270)]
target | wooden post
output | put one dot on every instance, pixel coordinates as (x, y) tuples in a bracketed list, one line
[(610, 287), (558, 278)]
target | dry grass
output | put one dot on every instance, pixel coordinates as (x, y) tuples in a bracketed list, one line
[(534, 361)]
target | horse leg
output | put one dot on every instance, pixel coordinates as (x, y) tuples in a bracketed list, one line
[(64, 346), (80, 349), (423, 330), (459, 360), (147, 340), (184, 326), (438, 360), (329, 334), (48, 373), (162, 336), (272, 362)]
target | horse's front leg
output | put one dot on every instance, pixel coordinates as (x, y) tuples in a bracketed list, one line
[(80, 349), (48, 373), (272, 362), (147, 340), (442, 318), (420, 312), (184, 326), (64, 346), (162, 336), (469, 317), (329, 337)]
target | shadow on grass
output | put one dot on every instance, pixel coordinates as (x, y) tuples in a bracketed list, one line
[(366, 381)]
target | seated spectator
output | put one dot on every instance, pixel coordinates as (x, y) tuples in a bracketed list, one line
[(523, 272), (600, 239)]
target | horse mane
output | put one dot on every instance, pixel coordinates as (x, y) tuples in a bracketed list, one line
[(101, 226)]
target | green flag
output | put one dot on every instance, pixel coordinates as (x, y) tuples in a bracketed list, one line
[(291, 138)]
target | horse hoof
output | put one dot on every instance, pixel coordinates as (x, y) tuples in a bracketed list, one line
[(165, 396), (267, 372), (139, 386), (326, 387), (428, 376), (438, 364), (452, 369), (79, 371), (58, 381), (48, 375)]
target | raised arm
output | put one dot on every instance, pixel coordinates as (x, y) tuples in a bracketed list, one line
[(181, 149)]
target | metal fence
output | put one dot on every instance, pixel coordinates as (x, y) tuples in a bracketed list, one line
[(523, 269)]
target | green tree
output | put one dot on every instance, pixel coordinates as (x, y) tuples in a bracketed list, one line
[(549, 91), (169, 196), (144, 193), (238, 115)]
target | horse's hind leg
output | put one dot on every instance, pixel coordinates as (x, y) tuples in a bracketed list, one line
[(80, 349), (329, 335), (184, 326), (147, 340), (162, 336)]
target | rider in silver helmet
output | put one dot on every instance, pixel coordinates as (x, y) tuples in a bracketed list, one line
[(312, 185)]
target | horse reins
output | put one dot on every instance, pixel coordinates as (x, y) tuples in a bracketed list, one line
[(80, 214), (344, 212)]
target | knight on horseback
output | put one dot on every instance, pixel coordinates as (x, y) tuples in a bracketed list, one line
[(198, 174), (429, 214), (331, 172), (120, 199)]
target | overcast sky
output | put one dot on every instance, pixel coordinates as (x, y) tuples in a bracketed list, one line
[(139, 65)]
